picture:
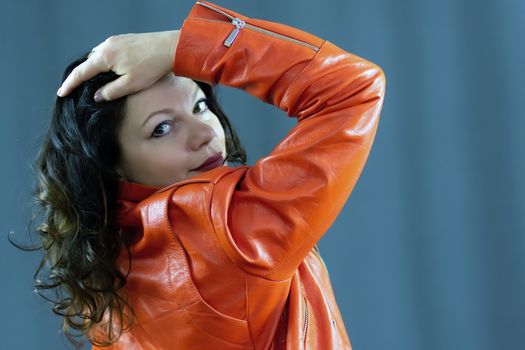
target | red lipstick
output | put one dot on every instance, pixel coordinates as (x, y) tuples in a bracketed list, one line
[(211, 162)]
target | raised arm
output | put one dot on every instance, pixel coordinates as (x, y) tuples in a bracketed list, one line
[(269, 216)]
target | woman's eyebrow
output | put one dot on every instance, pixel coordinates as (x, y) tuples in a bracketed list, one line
[(170, 110), (164, 110)]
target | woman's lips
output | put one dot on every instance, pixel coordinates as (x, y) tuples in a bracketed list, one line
[(211, 162)]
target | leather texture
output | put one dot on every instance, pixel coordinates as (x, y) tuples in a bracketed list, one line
[(225, 259)]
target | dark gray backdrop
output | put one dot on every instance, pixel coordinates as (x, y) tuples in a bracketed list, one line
[(428, 253)]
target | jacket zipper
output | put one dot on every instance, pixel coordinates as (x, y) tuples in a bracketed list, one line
[(305, 324), (239, 23)]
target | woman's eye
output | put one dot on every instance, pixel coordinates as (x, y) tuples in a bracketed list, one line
[(162, 129), (200, 106)]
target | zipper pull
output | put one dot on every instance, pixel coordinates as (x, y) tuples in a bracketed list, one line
[(238, 23)]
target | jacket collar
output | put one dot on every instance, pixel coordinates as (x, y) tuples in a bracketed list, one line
[(136, 192)]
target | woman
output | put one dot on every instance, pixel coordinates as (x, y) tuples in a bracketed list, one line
[(161, 245)]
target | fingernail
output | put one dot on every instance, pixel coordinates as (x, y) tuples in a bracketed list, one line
[(98, 97), (59, 92)]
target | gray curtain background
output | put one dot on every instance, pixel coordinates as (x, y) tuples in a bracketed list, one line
[(428, 252)]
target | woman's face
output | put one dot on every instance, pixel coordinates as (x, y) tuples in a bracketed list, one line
[(167, 131)]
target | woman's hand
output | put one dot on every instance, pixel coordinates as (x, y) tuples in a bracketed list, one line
[(139, 59)]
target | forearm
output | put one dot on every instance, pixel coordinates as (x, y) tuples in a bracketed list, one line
[(300, 188)]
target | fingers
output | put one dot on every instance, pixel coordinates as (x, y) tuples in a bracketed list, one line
[(115, 89), (84, 71), (138, 59)]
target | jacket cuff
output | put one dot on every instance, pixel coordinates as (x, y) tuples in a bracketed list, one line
[(202, 55)]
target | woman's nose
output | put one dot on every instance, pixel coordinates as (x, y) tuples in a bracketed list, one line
[(201, 134)]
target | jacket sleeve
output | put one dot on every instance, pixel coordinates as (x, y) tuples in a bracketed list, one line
[(281, 206)]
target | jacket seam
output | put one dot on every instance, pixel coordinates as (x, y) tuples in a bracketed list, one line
[(314, 57), (287, 257), (176, 244), (247, 309), (235, 258)]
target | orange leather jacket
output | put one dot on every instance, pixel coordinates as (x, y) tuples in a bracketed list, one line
[(225, 259)]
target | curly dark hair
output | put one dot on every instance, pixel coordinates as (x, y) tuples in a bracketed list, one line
[(76, 192)]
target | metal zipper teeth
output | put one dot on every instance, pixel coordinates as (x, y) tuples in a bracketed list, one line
[(305, 326), (241, 24)]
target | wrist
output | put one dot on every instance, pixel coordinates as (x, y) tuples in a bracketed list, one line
[(173, 41)]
